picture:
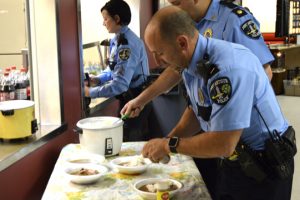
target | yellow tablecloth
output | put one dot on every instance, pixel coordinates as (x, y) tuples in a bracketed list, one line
[(117, 186)]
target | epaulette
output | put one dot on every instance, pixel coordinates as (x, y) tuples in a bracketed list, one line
[(207, 69), (122, 40), (213, 69), (239, 12), (228, 3)]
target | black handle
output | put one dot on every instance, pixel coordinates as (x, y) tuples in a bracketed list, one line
[(87, 79), (77, 130), (8, 112)]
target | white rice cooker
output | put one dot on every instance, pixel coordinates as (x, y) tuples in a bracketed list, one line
[(101, 135)]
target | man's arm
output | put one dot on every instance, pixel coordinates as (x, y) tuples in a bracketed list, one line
[(168, 79), (268, 71), (205, 145), (210, 144)]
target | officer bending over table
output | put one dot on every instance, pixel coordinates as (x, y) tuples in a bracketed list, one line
[(219, 19), (243, 122)]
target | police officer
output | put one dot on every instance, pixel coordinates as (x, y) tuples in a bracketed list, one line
[(217, 19), (241, 107), (128, 67)]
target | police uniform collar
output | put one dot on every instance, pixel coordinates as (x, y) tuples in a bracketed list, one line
[(124, 29), (212, 13), (114, 40), (199, 52)]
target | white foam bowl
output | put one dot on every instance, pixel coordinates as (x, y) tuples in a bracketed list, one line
[(117, 164), (151, 195), (85, 179)]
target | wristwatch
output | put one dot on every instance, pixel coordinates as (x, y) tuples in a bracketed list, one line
[(173, 143)]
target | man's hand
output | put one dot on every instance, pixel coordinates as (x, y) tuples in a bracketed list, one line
[(156, 149), (132, 108), (94, 80)]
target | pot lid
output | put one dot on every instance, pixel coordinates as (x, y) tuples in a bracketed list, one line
[(100, 122), (15, 104)]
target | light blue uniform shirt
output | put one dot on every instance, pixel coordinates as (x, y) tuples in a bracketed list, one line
[(241, 75), (235, 25), (131, 69)]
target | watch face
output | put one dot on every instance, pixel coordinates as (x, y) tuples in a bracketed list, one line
[(173, 142)]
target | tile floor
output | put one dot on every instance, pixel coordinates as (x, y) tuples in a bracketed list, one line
[(290, 106)]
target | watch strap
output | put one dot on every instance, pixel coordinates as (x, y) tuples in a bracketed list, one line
[(173, 143)]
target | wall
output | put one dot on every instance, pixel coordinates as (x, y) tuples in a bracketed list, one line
[(264, 11), (93, 29), (92, 21), (13, 35), (27, 178), (44, 55)]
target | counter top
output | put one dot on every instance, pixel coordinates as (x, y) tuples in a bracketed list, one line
[(283, 46), (13, 150), (98, 104), (119, 186)]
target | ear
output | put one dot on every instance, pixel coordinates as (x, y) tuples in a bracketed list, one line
[(182, 42), (117, 19)]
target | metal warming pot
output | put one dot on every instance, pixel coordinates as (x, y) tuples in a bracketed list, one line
[(17, 119), (101, 135)]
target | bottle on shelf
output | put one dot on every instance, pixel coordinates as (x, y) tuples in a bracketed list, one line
[(21, 84), (7, 89)]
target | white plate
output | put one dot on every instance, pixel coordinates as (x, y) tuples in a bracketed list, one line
[(85, 179), (85, 158), (132, 169), (152, 195)]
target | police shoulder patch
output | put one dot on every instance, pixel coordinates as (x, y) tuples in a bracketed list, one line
[(250, 29), (239, 12), (124, 54), (220, 90)]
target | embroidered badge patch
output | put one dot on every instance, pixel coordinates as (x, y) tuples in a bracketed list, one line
[(208, 33), (250, 29), (220, 90), (124, 54)]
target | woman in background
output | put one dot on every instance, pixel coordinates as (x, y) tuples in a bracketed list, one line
[(127, 71)]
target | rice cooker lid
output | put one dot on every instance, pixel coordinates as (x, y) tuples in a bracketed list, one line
[(15, 104), (99, 123)]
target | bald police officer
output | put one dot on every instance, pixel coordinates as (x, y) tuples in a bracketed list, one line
[(217, 19), (227, 82)]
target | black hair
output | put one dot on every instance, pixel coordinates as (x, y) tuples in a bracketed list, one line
[(120, 8)]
